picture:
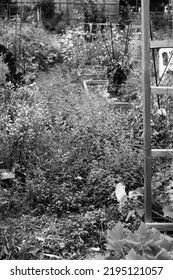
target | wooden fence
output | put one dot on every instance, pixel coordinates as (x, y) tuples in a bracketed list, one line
[(68, 6)]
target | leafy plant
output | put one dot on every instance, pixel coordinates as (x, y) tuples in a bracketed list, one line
[(94, 12), (36, 50), (125, 16), (8, 7), (44, 237), (119, 65), (117, 74), (160, 21), (47, 8), (4, 71), (143, 244)]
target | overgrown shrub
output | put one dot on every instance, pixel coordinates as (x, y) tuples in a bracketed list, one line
[(72, 147), (93, 13), (8, 8), (52, 21), (78, 53), (160, 22), (47, 8), (4, 70), (36, 50)]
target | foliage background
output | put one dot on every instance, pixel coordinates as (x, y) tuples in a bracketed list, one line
[(71, 149)]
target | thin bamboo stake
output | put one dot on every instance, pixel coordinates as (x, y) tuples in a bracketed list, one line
[(127, 40), (106, 46), (15, 41), (112, 42), (147, 108), (24, 63), (20, 39), (155, 70)]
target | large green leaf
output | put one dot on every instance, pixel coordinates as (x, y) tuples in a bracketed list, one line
[(140, 211), (168, 211), (117, 237), (163, 255), (136, 193), (146, 235), (117, 233), (166, 242), (132, 255), (156, 234)]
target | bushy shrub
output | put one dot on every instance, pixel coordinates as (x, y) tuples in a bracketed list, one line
[(159, 21), (4, 70), (78, 53), (94, 12), (57, 24), (72, 147), (47, 8), (27, 13), (8, 7), (36, 50)]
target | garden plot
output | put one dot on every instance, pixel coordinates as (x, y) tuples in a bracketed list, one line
[(79, 171), (100, 87)]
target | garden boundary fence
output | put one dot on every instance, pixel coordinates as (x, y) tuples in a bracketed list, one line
[(112, 7)]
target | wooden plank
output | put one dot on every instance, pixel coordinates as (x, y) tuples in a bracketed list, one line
[(85, 87), (162, 90), (125, 106), (103, 24), (117, 105), (161, 226), (157, 44), (96, 82), (164, 153), (146, 108)]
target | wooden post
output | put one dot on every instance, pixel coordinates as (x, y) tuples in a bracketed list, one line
[(172, 15), (146, 108)]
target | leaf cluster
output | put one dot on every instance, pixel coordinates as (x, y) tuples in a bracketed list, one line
[(94, 12), (143, 244), (47, 8), (44, 237)]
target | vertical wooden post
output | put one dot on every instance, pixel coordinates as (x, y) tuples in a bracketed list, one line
[(172, 16), (146, 108)]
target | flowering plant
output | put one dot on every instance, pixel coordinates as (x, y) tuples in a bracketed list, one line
[(117, 74)]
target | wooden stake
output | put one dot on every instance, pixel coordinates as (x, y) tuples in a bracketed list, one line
[(172, 15), (146, 108)]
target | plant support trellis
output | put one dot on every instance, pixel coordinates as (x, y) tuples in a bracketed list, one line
[(149, 90)]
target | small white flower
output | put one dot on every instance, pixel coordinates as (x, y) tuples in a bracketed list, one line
[(161, 112), (120, 191), (164, 112)]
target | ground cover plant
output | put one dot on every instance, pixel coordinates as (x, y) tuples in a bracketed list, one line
[(78, 161)]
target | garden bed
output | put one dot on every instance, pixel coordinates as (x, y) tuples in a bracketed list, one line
[(103, 92), (79, 153)]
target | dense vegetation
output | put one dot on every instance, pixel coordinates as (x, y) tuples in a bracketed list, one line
[(78, 159), (155, 5)]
